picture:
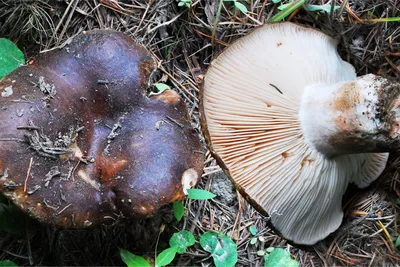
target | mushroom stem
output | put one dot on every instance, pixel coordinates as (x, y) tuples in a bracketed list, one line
[(352, 117)]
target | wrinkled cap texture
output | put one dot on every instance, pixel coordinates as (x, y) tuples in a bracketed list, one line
[(250, 106), (81, 144)]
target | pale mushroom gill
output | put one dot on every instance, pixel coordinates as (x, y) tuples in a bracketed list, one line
[(252, 99)]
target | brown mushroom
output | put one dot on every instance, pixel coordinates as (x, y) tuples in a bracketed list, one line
[(82, 144)]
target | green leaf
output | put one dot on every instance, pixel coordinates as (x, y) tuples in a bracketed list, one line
[(241, 7), (253, 241), (166, 257), (185, 3), (260, 253), (253, 230), (7, 263), (269, 249), (283, 6), (10, 57), (288, 9), (279, 257), (222, 249), (397, 242), (326, 8), (200, 194), (132, 260), (179, 210), (182, 240), (276, 1), (161, 87)]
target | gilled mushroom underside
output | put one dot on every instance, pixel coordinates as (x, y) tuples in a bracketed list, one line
[(252, 118)]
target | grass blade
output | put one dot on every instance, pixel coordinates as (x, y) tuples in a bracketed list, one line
[(287, 11), (393, 19), (216, 21)]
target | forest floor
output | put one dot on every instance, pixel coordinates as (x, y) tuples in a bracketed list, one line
[(184, 40)]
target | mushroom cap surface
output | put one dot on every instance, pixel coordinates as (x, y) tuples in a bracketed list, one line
[(83, 145), (250, 114)]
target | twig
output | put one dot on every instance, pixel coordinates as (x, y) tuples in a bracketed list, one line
[(174, 121), (68, 21), (165, 23), (63, 209), (27, 174)]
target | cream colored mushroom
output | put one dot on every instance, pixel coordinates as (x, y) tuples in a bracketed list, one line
[(291, 125)]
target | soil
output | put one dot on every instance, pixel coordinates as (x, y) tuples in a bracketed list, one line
[(184, 41), (223, 188)]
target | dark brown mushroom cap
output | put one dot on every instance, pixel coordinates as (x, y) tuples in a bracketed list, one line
[(99, 147)]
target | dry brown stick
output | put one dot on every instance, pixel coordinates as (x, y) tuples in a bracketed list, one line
[(27, 174), (142, 19), (63, 17), (68, 21)]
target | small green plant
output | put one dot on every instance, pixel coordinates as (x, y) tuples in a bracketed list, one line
[(253, 231), (182, 240), (313, 8), (199, 194), (222, 248), (397, 243), (278, 257), (179, 210), (238, 5), (291, 6), (10, 57), (287, 10), (7, 263), (316, 8), (166, 256), (194, 194), (132, 260), (185, 3)]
